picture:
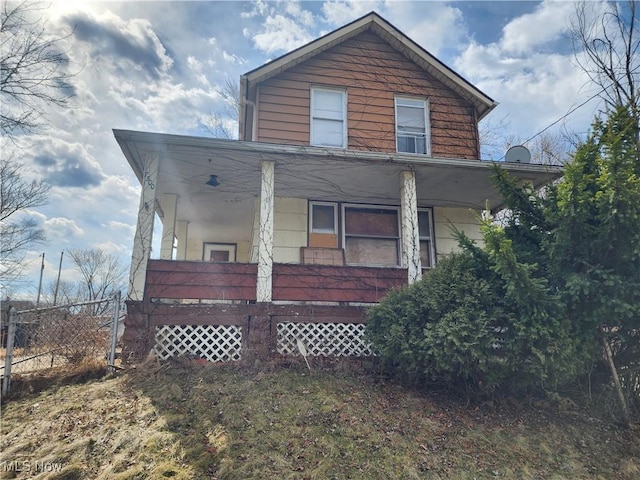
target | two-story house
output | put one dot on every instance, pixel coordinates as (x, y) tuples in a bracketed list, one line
[(356, 154)]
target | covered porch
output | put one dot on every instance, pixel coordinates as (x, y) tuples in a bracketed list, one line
[(236, 248)]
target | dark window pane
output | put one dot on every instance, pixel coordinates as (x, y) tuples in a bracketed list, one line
[(412, 144), (425, 254), (323, 219), (373, 222), (372, 251), (424, 225)]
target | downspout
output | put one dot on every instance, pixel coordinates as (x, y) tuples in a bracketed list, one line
[(244, 101), (242, 117), (477, 131)]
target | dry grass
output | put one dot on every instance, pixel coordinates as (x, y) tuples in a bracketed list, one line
[(189, 421)]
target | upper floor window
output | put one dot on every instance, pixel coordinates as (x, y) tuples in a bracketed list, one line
[(328, 117), (412, 126)]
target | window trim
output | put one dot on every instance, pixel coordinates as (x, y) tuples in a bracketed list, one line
[(427, 126), (312, 117), (208, 247), (432, 236), (312, 203)]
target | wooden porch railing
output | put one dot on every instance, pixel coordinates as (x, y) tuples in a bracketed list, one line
[(170, 279), (326, 283)]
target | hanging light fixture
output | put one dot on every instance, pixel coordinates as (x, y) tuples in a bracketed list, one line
[(213, 181)]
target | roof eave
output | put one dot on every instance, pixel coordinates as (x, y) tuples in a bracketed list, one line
[(160, 141)]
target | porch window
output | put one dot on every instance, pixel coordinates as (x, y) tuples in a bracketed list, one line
[(371, 236), (328, 117), (412, 126), (323, 224), (219, 252), (427, 251)]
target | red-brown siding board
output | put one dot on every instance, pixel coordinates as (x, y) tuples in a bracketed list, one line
[(275, 136), (338, 284), (200, 280)]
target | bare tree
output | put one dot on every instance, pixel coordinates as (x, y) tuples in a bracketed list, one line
[(33, 68), (218, 123), (493, 138), (16, 231), (102, 273), (607, 49), (547, 148)]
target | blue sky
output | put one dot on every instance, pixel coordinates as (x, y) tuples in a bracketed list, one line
[(160, 66)]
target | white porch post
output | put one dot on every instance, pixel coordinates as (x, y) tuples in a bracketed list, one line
[(265, 232), (410, 231), (182, 229), (144, 228), (169, 207)]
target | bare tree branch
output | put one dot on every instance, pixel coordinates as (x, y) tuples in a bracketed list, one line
[(102, 272), (607, 48), (219, 124), (33, 72), (17, 195)]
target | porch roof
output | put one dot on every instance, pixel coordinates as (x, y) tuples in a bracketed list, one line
[(186, 164)]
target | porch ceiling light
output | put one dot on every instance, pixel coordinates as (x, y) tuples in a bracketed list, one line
[(213, 181)]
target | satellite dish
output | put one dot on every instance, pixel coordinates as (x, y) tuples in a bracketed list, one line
[(518, 154)]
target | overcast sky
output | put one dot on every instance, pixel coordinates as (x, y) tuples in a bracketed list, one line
[(160, 66)]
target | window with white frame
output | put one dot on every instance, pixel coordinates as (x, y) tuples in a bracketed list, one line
[(328, 117), (323, 217), (412, 126), (371, 235), (427, 250)]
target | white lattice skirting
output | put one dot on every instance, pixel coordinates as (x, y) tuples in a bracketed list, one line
[(323, 339), (216, 343)]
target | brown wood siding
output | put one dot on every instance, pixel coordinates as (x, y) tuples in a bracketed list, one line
[(168, 279), (334, 284), (372, 73), (201, 280)]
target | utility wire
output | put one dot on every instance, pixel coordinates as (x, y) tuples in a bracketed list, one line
[(566, 115)]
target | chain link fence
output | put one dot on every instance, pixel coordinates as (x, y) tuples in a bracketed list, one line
[(63, 336)]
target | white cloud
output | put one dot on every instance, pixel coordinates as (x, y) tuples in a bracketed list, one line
[(232, 58), (112, 247), (63, 163), (532, 30), (293, 8), (433, 25), (260, 8), (127, 228), (534, 85), (281, 34), (340, 12), (61, 230), (196, 67)]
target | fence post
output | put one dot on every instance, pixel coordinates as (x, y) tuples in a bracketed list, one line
[(115, 316), (8, 359)]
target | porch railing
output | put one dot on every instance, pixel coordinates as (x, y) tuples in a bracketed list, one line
[(168, 279), (322, 306)]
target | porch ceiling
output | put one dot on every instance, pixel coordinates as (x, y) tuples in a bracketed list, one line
[(307, 172)]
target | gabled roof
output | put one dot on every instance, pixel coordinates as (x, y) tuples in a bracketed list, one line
[(378, 25)]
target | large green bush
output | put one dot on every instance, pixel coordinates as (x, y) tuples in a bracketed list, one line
[(467, 324)]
